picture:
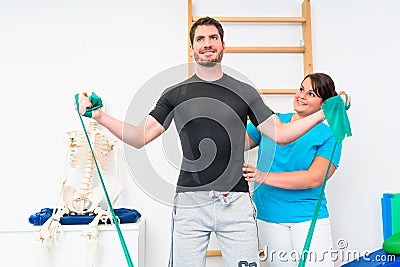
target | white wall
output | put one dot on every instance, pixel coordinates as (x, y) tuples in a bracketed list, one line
[(51, 50), (355, 41)]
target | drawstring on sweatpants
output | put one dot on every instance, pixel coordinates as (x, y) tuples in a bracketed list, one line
[(223, 197)]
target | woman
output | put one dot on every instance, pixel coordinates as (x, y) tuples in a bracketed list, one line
[(288, 182)]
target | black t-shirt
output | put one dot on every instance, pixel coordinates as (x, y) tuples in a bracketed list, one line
[(211, 118)]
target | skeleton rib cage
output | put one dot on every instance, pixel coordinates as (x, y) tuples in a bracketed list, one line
[(80, 155)]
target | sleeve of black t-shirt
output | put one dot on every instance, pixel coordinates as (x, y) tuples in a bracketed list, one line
[(162, 112), (259, 111)]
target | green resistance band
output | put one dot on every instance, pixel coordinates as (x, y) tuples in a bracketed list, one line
[(336, 116), (97, 103)]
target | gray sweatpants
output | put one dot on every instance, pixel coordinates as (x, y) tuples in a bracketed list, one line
[(231, 216)]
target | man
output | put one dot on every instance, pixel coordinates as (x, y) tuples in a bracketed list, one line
[(210, 111)]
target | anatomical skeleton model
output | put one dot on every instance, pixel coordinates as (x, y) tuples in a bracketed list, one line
[(86, 200)]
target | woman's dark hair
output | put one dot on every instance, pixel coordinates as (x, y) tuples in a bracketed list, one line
[(206, 21), (323, 85)]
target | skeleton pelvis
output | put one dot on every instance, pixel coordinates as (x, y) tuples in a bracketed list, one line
[(82, 204)]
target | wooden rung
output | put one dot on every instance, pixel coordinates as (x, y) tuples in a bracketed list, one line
[(264, 49), (257, 19), (213, 253), (277, 91)]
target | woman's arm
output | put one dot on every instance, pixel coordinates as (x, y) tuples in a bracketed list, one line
[(311, 178)]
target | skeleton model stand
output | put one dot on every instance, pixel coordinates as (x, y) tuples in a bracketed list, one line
[(85, 200)]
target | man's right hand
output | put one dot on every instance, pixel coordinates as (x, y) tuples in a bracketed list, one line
[(85, 103)]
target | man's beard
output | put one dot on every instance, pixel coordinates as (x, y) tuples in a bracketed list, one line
[(209, 63)]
